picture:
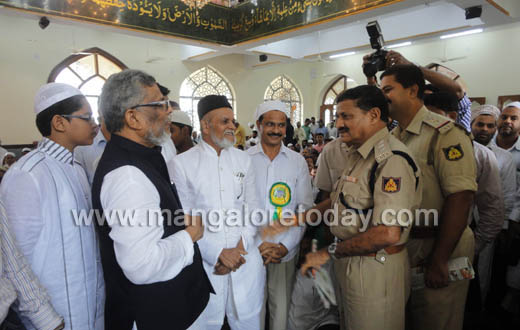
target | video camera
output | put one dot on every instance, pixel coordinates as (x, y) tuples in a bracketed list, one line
[(377, 60)]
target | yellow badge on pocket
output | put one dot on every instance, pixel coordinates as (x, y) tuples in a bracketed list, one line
[(279, 196), (391, 184), (453, 152)]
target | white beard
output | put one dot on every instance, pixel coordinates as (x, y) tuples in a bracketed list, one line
[(156, 140), (223, 143)]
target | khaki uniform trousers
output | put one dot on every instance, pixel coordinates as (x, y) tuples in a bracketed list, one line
[(280, 282), (373, 291), (440, 309)]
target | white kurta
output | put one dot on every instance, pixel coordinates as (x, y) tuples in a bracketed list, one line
[(290, 168), (40, 193), (206, 181)]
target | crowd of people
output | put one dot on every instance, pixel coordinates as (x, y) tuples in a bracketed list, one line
[(141, 222)]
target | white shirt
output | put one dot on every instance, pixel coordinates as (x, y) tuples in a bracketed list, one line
[(140, 251), (489, 200), (333, 132), (169, 151), (507, 171), (313, 127), (288, 167), (88, 156), (41, 192), (208, 182), (515, 153)]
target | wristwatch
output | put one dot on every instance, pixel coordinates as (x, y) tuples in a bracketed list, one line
[(332, 250)]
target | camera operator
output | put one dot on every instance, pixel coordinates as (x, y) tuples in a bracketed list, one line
[(438, 82)]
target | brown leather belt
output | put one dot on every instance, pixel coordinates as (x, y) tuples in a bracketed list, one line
[(423, 232), (389, 250)]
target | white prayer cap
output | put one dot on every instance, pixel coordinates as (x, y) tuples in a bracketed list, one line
[(290, 145), (512, 104), (180, 117), (310, 141), (52, 93), (271, 105), (5, 156), (486, 109), (26, 149)]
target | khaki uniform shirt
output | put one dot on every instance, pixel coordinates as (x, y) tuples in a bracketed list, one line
[(397, 187), (445, 156), (331, 163)]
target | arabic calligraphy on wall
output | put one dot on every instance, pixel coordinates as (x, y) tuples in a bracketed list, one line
[(212, 23)]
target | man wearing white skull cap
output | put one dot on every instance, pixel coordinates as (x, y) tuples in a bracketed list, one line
[(180, 130), (283, 186), (42, 193)]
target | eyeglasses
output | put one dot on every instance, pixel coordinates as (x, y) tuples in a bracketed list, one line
[(87, 117), (163, 104)]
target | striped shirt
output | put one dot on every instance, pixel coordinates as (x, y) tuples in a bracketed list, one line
[(56, 150), (17, 281), (464, 113)]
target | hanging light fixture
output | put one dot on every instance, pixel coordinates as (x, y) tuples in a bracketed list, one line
[(196, 3)]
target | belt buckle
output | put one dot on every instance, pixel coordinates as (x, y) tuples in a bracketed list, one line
[(381, 256)]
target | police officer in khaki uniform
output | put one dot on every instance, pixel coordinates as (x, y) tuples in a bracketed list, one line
[(331, 163), (445, 156), (376, 197)]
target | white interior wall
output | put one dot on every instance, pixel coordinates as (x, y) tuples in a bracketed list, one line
[(28, 55)]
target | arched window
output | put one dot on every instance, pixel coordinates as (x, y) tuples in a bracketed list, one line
[(328, 108), (283, 89), (87, 70), (205, 81)]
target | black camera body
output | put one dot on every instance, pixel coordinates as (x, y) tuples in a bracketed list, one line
[(377, 60)]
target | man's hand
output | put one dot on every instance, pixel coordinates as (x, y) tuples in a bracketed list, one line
[(272, 252), (220, 269), (370, 80), (393, 58), (436, 274), (314, 261), (232, 258), (278, 227), (194, 227)]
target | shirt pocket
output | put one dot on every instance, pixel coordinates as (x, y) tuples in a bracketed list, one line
[(356, 196), (348, 194), (238, 186)]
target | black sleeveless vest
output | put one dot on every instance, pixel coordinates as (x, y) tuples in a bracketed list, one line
[(173, 304)]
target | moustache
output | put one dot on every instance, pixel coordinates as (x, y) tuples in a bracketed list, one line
[(274, 134), (343, 130)]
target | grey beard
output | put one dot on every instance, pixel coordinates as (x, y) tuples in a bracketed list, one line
[(223, 143), (156, 140)]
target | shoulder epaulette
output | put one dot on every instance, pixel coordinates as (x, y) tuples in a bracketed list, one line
[(372, 175), (382, 150), (440, 123), (463, 129)]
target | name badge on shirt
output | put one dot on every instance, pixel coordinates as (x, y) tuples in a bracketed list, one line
[(279, 196), (349, 178)]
